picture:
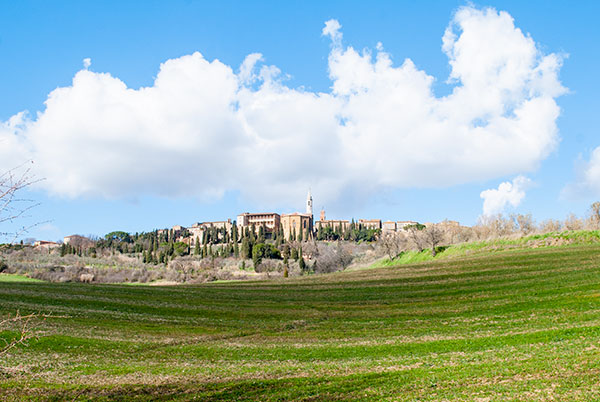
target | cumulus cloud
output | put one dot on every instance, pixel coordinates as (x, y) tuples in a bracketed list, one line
[(495, 201), (13, 150), (87, 62), (588, 178), (204, 128), (333, 30)]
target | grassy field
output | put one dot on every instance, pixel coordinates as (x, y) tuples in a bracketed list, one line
[(17, 278), (508, 325)]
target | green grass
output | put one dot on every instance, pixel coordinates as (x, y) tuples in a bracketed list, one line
[(550, 239), (17, 278), (518, 324)]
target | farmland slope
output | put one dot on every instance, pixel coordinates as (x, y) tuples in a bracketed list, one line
[(510, 325)]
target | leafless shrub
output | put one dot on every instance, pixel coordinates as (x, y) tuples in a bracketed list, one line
[(491, 227), (572, 222), (270, 266), (332, 258), (524, 223), (310, 249), (415, 234), (550, 225), (593, 221), (433, 236), (393, 243)]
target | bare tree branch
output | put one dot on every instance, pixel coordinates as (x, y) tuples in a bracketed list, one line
[(22, 322), (13, 207)]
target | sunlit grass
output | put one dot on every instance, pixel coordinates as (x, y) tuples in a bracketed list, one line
[(17, 278), (504, 325)]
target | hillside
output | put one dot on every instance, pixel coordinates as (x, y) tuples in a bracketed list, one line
[(514, 324)]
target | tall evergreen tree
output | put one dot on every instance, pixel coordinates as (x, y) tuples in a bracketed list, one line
[(197, 246), (246, 251), (302, 264), (234, 233), (236, 250)]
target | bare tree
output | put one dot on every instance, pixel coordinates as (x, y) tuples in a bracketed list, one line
[(332, 258), (550, 225), (416, 236), (393, 243), (13, 207), (494, 226), (525, 223), (433, 236), (594, 216), (572, 222)]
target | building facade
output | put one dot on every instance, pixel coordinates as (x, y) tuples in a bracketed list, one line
[(269, 220), (297, 226), (78, 241), (370, 223), (388, 226), (332, 223), (335, 224), (198, 229), (401, 225), (45, 244)]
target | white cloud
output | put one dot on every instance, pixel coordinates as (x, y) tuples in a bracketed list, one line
[(333, 30), (87, 62), (202, 128), (588, 178), (13, 150), (495, 201)]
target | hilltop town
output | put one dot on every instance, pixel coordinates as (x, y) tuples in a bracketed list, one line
[(296, 226), (254, 243)]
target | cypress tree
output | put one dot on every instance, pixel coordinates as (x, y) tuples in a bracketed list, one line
[(285, 253), (236, 250), (234, 233), (261, 234), (197, 247), (256, 257), (246, 252)]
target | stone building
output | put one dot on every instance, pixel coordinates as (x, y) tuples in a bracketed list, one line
[(401, 225), (78, 241), (297, 224), (388, 226), (370, 223), (269, 220), (45, 244), (332, 223), (343, 225)]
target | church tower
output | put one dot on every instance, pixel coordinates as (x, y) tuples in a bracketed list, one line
[(309, 203)]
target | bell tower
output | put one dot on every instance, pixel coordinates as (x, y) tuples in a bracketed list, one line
[(309, 203)]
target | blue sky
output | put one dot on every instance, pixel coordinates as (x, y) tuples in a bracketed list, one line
[(43, 44)]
